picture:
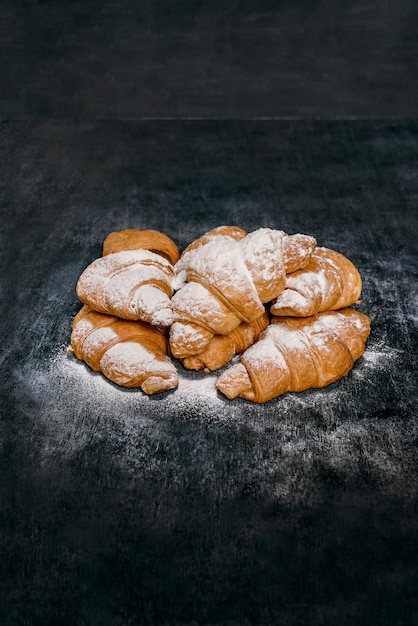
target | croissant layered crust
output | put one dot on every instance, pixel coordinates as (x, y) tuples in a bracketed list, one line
[(295, 354), (330, 281), (228, 279), (222, 348), (277, 300), (233, 232), (244, 274), (129, 353), (133, 279), (132, 284)]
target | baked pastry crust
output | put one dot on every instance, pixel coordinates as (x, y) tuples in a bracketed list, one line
[(129, 353), (227, 280), (222, 348), (132, 239), (215, 298), (330, 281), (133, 280), (295, 354)]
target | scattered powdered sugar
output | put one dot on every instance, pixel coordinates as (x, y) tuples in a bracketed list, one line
[(198, 389), (286, 449), (378, 357), (89, 388), (277, 447)]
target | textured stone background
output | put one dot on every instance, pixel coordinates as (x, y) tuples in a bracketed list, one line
[(208, 58), (187, 509)]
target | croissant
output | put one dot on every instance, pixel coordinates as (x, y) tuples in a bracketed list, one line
[(229, 279), (131, 239), (330, 281), (130, 281), (129, 353), (222, 348), (234, 232), (294, 354)]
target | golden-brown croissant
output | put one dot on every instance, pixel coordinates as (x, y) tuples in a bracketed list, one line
[(131, 281), (129, 353), (234, 232), (222, 348), (330, 281), (294, 354), (226, 280), (132, 239)]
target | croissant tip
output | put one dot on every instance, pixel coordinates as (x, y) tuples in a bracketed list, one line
[(157, 384)]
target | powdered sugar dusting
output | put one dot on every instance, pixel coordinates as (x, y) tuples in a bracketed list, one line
[(280, 335), (129, 361), (220, 262), (377, 357), (196, 302), (289, 298), (188, 339), (110, 285), (180, 279), (153, 305), (96, 340), (80, 408), (245, 274), (263, 255), (309, 291), (130, 354)]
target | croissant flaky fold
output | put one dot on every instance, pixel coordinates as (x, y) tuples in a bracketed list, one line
[(233, 232), (245, 273), (330, 281), (132, 239), (133, 283), (129, 353), (221, 348), (295, 354), (228, 279), (277, 300)]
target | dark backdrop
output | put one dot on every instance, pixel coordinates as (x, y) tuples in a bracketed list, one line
[(208, 58), (185, 509)]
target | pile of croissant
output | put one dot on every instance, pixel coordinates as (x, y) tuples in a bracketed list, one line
[(277, 300)]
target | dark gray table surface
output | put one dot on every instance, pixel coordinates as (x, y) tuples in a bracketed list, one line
[(185, 508), (208, 58)]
